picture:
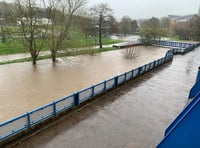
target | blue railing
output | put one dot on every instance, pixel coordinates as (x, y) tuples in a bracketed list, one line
[(32, 118), (178, 47)]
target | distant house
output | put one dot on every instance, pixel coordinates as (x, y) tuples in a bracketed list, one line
[(38, 21)]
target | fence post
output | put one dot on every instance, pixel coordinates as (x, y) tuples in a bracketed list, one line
[(154, 64), (116, 81), (104, 86), (139, 70), (54, 108), (76, 99), (28, 120), (92, 90), (125, 75), (132, 74)]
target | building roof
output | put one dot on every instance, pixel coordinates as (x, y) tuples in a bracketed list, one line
[(181, 18)]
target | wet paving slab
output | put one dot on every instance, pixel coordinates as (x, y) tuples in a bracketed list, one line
[(134, 115)]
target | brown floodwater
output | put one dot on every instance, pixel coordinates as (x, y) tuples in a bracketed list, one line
[(24, 87), (132, 116)]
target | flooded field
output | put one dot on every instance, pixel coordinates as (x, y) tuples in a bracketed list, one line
[(132, 116), (24, 87)]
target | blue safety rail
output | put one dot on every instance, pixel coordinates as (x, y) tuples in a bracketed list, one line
[(178, 47), (25, 121), (184, 132)]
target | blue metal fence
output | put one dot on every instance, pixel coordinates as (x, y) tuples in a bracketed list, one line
[(178, 47), (25, 121)]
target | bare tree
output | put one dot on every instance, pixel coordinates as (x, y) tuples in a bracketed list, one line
[(36, 34), (100, 13), (131, 52), (27, 14), (61, 13)]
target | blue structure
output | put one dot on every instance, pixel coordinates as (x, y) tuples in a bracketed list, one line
[(196, 88), (178, 47), (184, 131)]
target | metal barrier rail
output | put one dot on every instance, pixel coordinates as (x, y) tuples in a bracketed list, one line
[(178, 47), (25, 121)]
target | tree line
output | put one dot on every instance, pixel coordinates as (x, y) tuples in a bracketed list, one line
[(60, 16), (49, 23), (153, 29)]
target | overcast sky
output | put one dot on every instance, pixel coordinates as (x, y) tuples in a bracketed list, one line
[(147, 8)]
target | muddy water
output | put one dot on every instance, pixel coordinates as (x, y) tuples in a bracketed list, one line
[(24, 87), (133, 116)]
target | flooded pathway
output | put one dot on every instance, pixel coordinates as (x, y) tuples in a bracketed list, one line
[(24, 87), (132, 116)]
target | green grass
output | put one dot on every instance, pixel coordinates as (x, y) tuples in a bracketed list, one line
[(65, 54), (14, 46), (176, 38), (107, 41)]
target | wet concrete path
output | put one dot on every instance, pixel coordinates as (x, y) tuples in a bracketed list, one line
[(132, 116)]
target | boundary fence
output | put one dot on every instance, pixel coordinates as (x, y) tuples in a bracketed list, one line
[(178, 47), (34, 117)]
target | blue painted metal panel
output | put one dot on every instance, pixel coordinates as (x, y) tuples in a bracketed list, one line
[(110, 83), (14, 130), (196, 88), (186, 109), (42, 117), (85, 94), (186, 132), (99, 88), (198, 75), (65, 104)]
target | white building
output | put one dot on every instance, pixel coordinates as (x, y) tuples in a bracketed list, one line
[(38, 21)]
